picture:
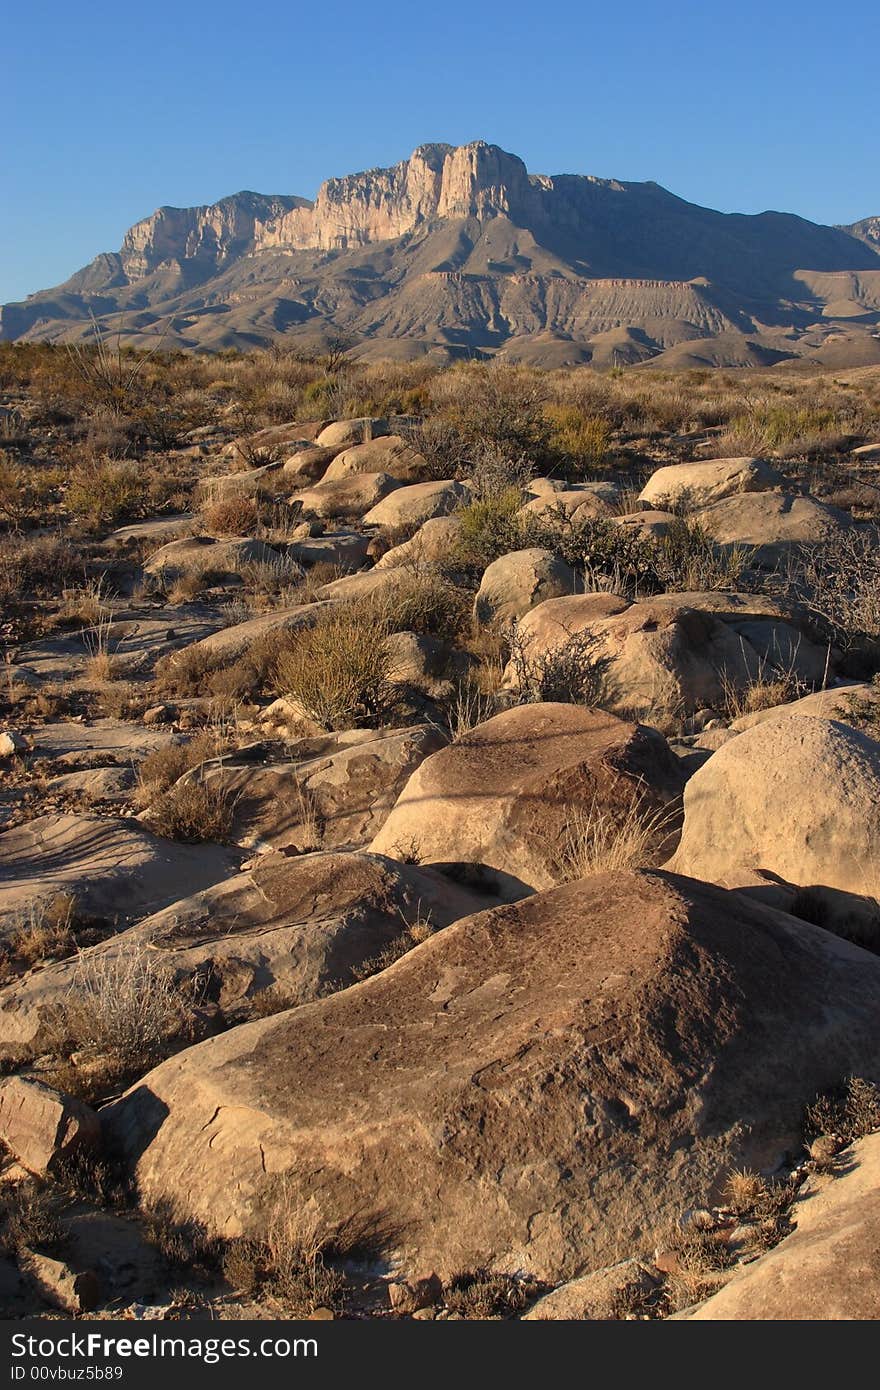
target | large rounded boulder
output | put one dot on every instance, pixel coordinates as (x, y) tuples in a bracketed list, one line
[(505, 794), (533, 1089), (797, 797)]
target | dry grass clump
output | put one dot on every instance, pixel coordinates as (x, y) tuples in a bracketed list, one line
[(185, 672), (30, 1219), (839, 581), (231, 516), (481, 1294), (43, 930), (126, 1009), (413, 935), (193, 811), (701, 1258), (164, 766), (339, 671), (689, 561), (289, 1264), (598, 839)]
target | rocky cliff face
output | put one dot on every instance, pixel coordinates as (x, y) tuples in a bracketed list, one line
[(217, 233), (868, 229), (438, 181)]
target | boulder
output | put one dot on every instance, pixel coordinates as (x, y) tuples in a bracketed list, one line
[(297, 926), (414, 505), (518, 581), (772, 524), (11, 743), (576, 504), (343, 434), (205, 555), (230, 642), (338, 796), (351, 496), (308, 463), (671, 654), (857, 704), (344, 550), (598, 1296), (649, 525), (432, 544), (73, 1291), (531, 1089), (505, 793), (277, 438), (44, 1128), (826, 1270), (223, 486), (114, 867), (797, 797), (389, 454), (698, 484)]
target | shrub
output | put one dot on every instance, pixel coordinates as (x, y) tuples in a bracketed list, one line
[(584, 439), (107, 491), (483, 1294), (231, 516), (193, 811), (124, 1004), (165, 766), (338, 670), (426, 602), (574, 672), (489, 528)]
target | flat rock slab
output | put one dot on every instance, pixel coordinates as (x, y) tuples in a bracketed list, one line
[(103, 743), (137, 640), (301, 925), (160, 528), (115, 869)]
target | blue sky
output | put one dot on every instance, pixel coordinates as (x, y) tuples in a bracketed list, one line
[(111, 110)]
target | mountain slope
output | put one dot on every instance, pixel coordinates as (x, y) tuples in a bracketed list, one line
[(460, 250)]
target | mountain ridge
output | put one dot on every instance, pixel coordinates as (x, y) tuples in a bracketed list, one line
[(460, 250)]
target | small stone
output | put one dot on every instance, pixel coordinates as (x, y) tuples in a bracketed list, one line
[(425, 1314), (11, 743), (667, 1261), (59, 1285), (321, 1315), (412, 1295), (158, 714)]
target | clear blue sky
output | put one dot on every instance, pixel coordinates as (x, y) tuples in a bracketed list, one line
[(110, 110)]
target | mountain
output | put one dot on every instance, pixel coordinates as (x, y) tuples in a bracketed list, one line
[(459, 250)]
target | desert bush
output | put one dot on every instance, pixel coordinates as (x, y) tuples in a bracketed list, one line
[(107, 491), (612, 558), (443, 447), (839, 581), (231, 516), (488, 529), (194, 811), (339, 670), (425, 601), (42, 565), (165, 766), (185, 672), (25, 491), (495, 403), (584, 439), (689, 561), (30, 1219), (125, 1005), (574, 672), (849, 1111), (289, 1263)]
